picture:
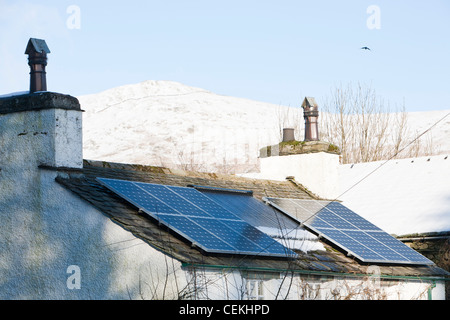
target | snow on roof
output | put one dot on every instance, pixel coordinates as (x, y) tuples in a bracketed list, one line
[(402, 196), (13, 94), (299, 238)]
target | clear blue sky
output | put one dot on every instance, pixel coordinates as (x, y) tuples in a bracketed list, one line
[(272, 51)]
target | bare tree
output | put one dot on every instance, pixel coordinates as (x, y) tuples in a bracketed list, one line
[(365, 128), (288, 117)]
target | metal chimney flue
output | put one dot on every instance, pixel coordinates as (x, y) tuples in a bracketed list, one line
[(311, 114), (37, 51)]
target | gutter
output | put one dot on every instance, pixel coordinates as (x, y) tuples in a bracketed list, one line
[(318, 273), (433, 285), (423, 238)]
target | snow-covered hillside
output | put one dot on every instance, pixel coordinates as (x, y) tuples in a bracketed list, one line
[(171, 124), (168, 123)]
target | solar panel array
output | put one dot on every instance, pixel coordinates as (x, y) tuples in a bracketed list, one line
[(198, 218), (349, 231)]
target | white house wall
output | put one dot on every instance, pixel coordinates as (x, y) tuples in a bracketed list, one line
[(45, 137), (318, 172), (226, 284), (48, 230), (53, 244)]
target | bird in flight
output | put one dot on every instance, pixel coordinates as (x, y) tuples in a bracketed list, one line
[(365, 48)]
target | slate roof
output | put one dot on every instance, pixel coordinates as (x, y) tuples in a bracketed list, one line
[(82, 182)]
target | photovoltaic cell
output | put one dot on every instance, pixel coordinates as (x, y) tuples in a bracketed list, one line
[(195, 233), (251, 210), (169, 197), (204, 203), (211, 226), (374, 245), (342, 239), (138, 196), (348, 230), (345, 213), (399, 247), (237, 239), (249, 232)]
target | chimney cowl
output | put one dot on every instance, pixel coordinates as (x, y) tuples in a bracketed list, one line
[(310, 103), (37, 51), (311, 113)]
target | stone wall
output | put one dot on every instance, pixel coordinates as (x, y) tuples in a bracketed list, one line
[(298, 147), (434, 246)]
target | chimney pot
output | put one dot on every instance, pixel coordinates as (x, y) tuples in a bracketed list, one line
[(288, 134), (37, 51)]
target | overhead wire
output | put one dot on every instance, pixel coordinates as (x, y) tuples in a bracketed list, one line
[(313, 214)]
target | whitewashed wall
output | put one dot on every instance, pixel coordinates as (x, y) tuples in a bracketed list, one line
[(53, 244), (47, 230), (318, 172), (228, 284)]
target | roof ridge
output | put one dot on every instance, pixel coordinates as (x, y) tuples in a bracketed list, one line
[(180, 172)]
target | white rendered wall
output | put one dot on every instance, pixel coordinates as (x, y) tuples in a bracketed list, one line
[(50, 137), (45, 229), (318, 172), (68, 139), (226, 284)]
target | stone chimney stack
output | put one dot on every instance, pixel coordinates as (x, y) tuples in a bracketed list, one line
[(39, 128), (311, 162)]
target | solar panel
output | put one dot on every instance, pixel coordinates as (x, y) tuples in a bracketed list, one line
[(250, 209), (209, 225), (349, 231), (267, 219), (192, 231)]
